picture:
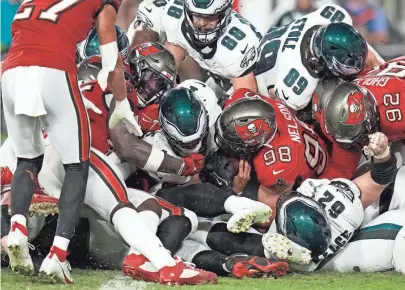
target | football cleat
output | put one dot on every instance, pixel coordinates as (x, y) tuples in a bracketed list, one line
[(242, 265), (18, 252), (53, 269), (242, 221), (44, 204), (185, 274), (138, 267), (285, 249)]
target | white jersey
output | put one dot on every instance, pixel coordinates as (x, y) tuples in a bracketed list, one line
[(235, 52), (150, 14), (281, 66), (341, 202), (158, 139)]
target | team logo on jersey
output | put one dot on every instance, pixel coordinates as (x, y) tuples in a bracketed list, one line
[(249, 131), (249, 57), (142, 18), (356, 111)]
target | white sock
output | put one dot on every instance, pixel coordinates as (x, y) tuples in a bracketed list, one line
[(235, 204), (150, 219), (133, 251), (19, 218), (137, 235), (61, 243)]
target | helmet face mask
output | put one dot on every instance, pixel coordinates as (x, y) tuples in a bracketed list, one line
[(206, 20), (153, 72), (341, 48), (184, 121)]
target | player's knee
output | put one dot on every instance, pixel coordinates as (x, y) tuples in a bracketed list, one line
[(398, 252), (31, 164), (193, 220), (80, 166), (150, 204)]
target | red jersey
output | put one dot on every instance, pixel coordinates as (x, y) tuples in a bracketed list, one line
[(99, 122), (387, 85), (45, 32)]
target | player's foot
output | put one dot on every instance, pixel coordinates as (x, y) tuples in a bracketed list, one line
[(56, 269), (18, 252), (242, 265), (138, 267), (285, 249), (44, 204), (243, 220), (185, 274)]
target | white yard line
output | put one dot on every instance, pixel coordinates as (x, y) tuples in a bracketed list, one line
[(123, 283)]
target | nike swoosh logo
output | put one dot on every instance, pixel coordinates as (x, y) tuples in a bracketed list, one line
[(149, 10), (244, 50), (284, 96), (275, 172)]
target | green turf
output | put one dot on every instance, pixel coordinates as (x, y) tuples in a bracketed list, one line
[(106, 280)]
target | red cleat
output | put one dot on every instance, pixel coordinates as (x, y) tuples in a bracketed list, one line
[(44, 204), (138, 267), (184, 274), (243, 265)]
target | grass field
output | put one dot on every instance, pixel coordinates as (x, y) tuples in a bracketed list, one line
[(107, 280)]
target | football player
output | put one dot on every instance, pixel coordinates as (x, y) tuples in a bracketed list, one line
[(317, 44), (50, 98), (206, 31), (349, 112), (286, 151)]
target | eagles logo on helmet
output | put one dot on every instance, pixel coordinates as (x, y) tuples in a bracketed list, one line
[(356, 111), (252, 130)]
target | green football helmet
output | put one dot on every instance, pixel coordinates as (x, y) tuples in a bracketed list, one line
[(184, 121), (89, 46), (303, 220), (340, 48)]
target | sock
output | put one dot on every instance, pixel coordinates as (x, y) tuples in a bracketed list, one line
[(137, 235), (235, 204), (150, 219), (134, 251), (211, 261), (19, 218), (61, 243)]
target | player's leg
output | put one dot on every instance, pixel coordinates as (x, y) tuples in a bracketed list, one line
[(147, 258), (68, 128), (372, 249), (207, 200), (25, 133)]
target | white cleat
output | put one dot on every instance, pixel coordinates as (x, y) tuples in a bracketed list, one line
[(242, 221), (18, 252), (53, 270), (285, 249)]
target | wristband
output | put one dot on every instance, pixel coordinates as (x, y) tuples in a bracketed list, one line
[(155, 159), (384, 173)]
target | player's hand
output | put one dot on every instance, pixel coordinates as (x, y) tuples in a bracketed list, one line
[(378, 146), (122, 112), (240, 180), (148, 118), (310, 186), (192, 164)]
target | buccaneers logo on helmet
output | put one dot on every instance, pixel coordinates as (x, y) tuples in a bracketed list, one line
[(252, 130), (356, 108)]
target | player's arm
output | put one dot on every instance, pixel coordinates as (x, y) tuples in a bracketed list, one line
[(127, 13), (383, 170), (373, 58), (143, 34), (178, 53), (109, 52), (143, 155), (248, 81)]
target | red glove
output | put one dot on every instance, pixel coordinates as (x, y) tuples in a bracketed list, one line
[(193, 164), (6, 175), (148, 118)]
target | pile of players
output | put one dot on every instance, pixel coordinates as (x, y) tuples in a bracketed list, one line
[(256, 172)]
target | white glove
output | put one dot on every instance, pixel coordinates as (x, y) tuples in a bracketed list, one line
[(378, 146), (123, 112), (310, 186), (90, 106)]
